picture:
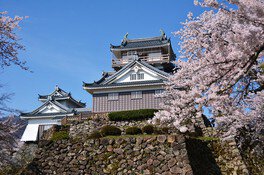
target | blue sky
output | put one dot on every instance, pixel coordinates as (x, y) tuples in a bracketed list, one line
[(67, 41)]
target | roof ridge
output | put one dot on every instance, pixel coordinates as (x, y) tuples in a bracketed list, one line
[(144, 39), (57, 89)]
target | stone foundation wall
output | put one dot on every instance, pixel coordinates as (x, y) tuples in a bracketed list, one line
[(96, 122), (47, 134), (91, 125), (118, 155), (228, 157), (139, 154), (251, 146), (227, 154)]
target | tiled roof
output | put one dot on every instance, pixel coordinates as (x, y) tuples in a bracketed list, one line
[(130, 65), (64, 108), (138, 43), (104, 81), (59, 94), (154, 68)]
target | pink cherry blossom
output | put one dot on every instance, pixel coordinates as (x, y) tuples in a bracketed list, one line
[(9, 45), (221, 67)]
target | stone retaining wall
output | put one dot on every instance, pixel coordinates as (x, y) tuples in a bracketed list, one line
[(119, 155), (228, 157), (226, 153), (140, 154), (97, 121), (88, 126)]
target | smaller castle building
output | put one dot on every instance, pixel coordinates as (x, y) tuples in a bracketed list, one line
[(57, 105)]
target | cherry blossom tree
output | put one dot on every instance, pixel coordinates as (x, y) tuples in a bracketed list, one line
[(9, 49), (221, 67), (9, 45)]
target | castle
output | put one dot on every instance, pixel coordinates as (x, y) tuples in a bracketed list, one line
[(141, 68)]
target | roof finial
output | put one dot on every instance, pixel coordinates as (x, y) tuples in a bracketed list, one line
[(56, 87), (124, 41), (163, 35), (125, 37)]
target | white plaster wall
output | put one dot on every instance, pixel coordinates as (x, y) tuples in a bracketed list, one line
[(147, 76)]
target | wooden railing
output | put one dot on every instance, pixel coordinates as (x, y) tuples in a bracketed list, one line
[(164, 58), (79, 117)]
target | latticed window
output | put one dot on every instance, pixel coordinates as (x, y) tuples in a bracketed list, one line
[(113, 96), (158, 92), (136, 94), (140, 76), (133, 76)]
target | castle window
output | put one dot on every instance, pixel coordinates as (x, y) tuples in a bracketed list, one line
[(136, 94), (140, 76), (113, 96), (158, 92), (133, 76)]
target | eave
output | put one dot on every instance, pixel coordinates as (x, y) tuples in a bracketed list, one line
[(134, 48), (93, 88), (47, 115)]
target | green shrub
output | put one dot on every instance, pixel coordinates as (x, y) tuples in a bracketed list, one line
[(65, 127), (164, 130), (141, 114), (133, 130), (110, 131), (60, 135), (95, 135), (148, 129)]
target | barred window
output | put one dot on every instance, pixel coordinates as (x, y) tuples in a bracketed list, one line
[(113, 96), (140, 76), (158, 92), (136, 94), (133, 76)]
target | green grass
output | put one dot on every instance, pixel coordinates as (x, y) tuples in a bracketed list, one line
[(60, 135), (129, 136), (207, 138)]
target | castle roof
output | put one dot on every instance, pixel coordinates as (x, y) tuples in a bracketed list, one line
[(50, 102), (142, 42), (108, 81), (59, 94)]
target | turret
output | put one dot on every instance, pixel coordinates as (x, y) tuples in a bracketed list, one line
[(156, 51)]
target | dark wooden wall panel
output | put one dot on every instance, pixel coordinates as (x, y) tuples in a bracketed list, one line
[(124, 102)]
